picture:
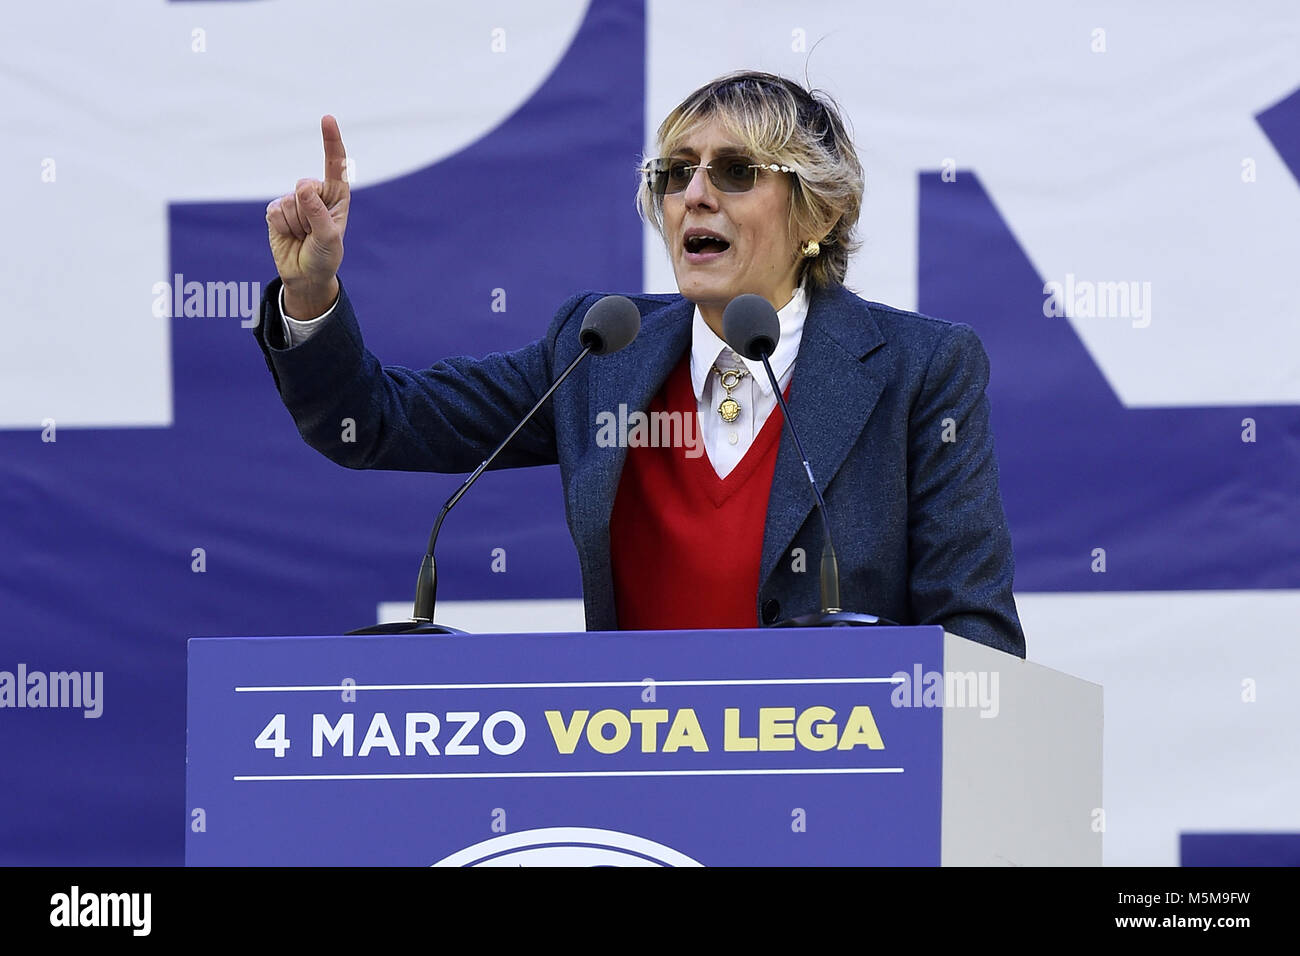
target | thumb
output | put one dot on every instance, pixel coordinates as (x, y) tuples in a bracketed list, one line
[(313, 207)]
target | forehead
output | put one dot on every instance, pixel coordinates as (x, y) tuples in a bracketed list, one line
[(709, 136)]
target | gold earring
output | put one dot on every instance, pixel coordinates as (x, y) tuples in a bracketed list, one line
[(810, 249)]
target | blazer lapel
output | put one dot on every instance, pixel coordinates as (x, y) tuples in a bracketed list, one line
[(631, 377), (832, 393)]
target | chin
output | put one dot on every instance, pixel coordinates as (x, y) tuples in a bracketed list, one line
[(701, 289)]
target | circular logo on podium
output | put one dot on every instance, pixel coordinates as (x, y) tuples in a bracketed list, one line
[(568, 846)]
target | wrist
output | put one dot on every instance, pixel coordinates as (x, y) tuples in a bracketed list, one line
[(304, 300)]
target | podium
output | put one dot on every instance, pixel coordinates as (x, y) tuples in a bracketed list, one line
[(900, 746)]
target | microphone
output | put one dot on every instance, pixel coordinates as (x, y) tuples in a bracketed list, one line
[(609, 325), (751, 327)]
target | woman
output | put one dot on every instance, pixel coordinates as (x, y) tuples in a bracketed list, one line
[(755, 188)]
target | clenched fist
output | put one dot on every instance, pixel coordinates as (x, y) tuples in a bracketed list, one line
[(306, 231)]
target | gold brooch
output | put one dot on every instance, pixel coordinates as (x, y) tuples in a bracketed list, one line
[(730, 408)]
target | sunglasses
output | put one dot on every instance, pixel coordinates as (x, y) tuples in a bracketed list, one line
[(730, 174)]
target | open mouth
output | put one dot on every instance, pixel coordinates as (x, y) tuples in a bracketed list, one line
[(705, 243)]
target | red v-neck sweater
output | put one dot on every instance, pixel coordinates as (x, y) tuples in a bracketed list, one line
[(685, 544)]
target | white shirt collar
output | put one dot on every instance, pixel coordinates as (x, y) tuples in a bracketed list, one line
[(706, 346)]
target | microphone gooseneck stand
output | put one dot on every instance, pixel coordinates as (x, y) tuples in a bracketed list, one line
[(609, 325), (751, 328)]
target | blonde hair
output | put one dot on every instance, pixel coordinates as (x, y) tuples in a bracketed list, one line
[(778, 121)]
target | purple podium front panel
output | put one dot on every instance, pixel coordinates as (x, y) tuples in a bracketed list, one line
[(720, 748)]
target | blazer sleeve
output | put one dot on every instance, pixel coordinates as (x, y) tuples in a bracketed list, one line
[(445, 418), (959, 545)]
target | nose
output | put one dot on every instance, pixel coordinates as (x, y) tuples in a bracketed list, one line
[(699, 191)]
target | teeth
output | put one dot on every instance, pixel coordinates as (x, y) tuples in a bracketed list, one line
[(697, 240)]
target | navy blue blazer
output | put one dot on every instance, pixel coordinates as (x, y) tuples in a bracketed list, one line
[(890, 406)]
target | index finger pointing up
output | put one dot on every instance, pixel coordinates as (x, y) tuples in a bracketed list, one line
[(336, 157)]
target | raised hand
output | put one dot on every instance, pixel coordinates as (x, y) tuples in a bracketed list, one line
[(306, 231)]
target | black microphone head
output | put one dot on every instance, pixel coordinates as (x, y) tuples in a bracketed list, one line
[(750, 326), (610, 324)]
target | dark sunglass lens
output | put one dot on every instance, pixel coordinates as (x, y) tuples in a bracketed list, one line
[(735, 175), (656, 177), (668, 175), (678, 175)]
